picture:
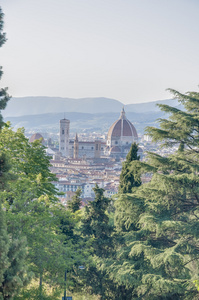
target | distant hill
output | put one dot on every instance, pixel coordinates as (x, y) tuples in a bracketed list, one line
[(43, 105), (150, 106), (82, 122)]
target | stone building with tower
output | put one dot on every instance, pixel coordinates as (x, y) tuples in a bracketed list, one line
[(121, 135), (64, 137)]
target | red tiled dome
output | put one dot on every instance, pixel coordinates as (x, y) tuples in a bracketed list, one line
[(36, 136), (122, 127)]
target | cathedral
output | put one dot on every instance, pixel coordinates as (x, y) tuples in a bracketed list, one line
[(121, 135)]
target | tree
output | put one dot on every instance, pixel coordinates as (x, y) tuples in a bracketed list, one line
[(4, 97), (32, 208), (4, 168), (29, 164), (3, 102), (103, 243), (75, 203), (16, 275), (130, 178), (49, 256), (4, 248), (97, 231), (13, 271), (33, 211), (161, 254), (96, 223)]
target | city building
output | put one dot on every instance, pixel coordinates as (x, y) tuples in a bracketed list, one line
[(64, 137), (121, 135), (86, 149), (83, 162)]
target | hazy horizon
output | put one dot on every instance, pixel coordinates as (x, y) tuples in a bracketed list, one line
[(97, 97), (130, 51)]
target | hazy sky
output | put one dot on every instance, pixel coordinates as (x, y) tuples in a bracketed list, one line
[(129, 50)]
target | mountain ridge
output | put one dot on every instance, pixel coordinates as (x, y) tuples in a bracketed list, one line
[(34, 105)]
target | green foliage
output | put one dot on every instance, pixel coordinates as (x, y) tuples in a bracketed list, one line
[(16, 275), (4, 248), (14, 272), (96, 223), (196, 282), (4, 97), (133, 154), (159, 257), (33, 211), (29, 163), (96, 227), (129, 177), (126, 212), (182, 127), (4, 168), (85, 296), (75, 203), (2, 34), (34, 293)]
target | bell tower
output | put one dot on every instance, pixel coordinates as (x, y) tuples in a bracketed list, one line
[(64, 137), (97, 149)]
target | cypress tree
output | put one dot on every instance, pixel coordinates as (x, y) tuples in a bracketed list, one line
[(96, 223), (75, 203), (129, 177), (98, 233)]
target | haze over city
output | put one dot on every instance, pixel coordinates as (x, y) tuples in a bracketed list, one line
[(129, 50)]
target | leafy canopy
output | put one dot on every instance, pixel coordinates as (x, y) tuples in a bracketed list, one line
[(159, 258)]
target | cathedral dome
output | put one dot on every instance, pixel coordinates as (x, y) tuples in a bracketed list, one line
[(36, 136), (122, 128)]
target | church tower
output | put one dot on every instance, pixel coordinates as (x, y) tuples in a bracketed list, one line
[(76, 147), (97, 149), (64, 137)]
